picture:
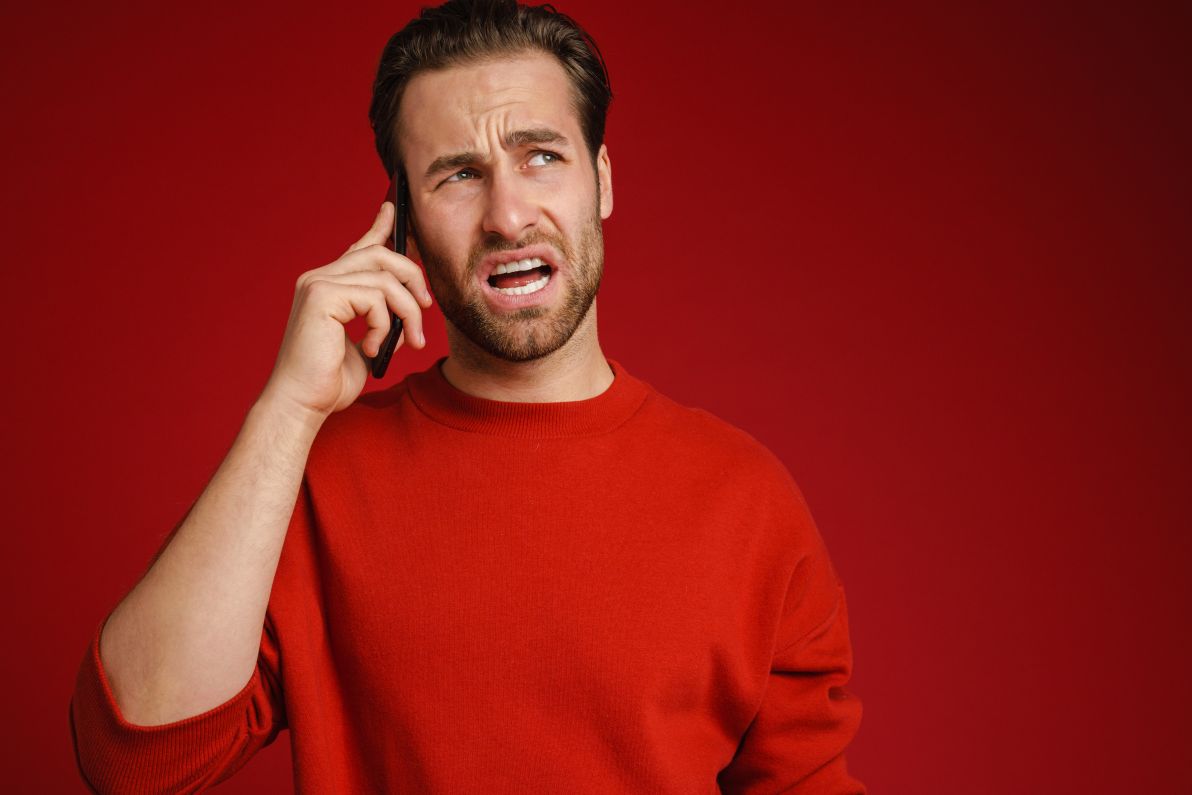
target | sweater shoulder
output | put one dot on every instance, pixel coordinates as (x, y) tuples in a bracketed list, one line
[(730, 467), (370, 409), (694, 431), (359, 430)]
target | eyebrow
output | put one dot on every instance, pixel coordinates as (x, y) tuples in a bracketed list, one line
[(514, 140)]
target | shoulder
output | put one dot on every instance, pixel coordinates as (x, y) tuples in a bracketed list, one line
[(734, 475), (371, 417), (695, 434)]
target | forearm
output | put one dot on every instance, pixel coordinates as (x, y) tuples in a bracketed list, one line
[(186, 638)]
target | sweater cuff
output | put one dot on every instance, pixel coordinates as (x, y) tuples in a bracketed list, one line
[(117, 756)]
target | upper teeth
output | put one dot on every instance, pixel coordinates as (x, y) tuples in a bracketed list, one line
[(520, 265)]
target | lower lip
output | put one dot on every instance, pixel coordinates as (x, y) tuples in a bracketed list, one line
[(501, 301)]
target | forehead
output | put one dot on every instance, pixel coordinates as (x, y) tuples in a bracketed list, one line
[(458, 107)]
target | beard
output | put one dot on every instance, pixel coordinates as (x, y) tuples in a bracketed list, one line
[(515, 336)]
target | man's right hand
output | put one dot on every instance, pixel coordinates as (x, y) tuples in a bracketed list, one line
[(319, 369)]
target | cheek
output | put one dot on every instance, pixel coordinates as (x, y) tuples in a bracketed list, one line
[(443, 234)]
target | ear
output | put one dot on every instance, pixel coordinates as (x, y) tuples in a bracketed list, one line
[(412, 251), (604, 178)]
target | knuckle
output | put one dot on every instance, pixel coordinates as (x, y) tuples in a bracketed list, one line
[(318, 286), (401, 297)]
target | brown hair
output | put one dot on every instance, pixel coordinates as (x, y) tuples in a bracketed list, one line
[(463, 31)]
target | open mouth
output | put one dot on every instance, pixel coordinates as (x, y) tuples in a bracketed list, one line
[(521, 277)]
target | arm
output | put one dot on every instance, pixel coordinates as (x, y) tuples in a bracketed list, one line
[(187, 639), (797, 740), (186, 756)]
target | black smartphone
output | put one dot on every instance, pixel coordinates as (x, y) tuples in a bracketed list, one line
[(399, 195)]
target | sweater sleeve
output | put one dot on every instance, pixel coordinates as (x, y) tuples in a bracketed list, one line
[(807, 717), (189, 755)]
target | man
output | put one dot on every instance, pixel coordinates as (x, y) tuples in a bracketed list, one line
[(521, 570)]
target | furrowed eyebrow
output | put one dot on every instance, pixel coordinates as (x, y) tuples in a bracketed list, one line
[(515, 139), (451, 162), (536, 135)]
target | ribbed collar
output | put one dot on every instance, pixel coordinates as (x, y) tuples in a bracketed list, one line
[(444, 403)]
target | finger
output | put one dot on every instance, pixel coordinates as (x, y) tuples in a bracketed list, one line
[(370, 345), (379, 257), (379, 232), (397, 298), (363, 352), (346, 302)]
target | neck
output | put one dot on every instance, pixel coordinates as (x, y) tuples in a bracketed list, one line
[(576, 371)]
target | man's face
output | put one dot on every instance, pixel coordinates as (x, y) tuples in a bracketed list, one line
[(501, 180)]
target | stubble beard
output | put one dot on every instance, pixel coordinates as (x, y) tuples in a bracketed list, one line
[(513, 336)]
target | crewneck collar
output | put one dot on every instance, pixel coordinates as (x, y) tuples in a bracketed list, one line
[(438, 399)]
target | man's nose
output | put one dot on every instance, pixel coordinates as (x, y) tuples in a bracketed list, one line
[(511, 208)]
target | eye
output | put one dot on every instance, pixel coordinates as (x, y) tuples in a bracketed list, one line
[(544, 158), (461, 175)]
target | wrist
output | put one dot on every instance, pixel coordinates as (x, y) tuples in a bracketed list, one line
[(278, 409)]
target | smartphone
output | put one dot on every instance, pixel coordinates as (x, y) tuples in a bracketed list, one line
[(399, 194)]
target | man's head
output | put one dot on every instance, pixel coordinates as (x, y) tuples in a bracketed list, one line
[(496, 113), (471, 31)]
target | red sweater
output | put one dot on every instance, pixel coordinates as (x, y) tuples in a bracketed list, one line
[(612, 595)]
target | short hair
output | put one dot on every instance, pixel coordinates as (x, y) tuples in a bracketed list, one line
[(468, 31)]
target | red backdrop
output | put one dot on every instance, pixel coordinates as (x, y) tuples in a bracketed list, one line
[(936, 259)]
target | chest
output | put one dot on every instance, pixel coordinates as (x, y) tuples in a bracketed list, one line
[(513, 605)]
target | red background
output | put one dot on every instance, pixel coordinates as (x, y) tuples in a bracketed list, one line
[(936, 259)]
